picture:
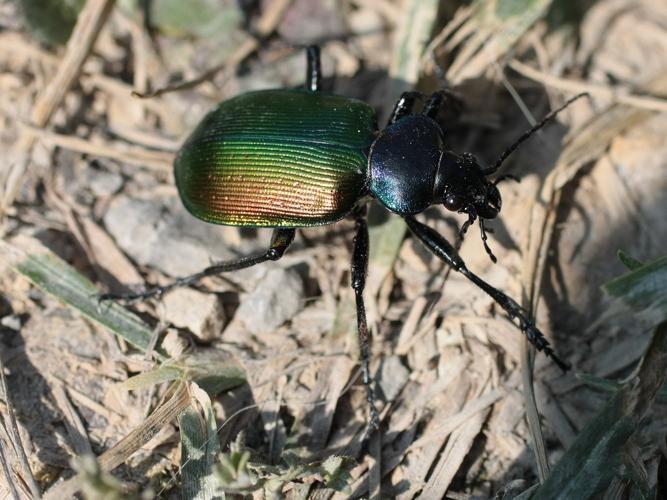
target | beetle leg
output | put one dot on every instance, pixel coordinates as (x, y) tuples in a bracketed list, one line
[(442, 249), (404, 106), (313, 68), (280, 240), (359, 269), (487, 248), (440, 97)]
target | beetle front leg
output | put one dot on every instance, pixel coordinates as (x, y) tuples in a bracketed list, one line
[(442, 249), (359, 270), (280, 241)]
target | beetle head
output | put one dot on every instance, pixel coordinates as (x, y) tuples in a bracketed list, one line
[(465, 189)]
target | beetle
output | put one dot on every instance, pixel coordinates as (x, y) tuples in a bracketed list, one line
[(292, 158)]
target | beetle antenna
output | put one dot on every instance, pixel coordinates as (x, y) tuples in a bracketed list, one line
[(482, 230), (530, 132)]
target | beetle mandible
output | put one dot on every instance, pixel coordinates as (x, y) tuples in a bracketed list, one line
[(293, 158)]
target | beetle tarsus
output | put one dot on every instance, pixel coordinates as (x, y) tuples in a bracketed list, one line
[(487, 248)]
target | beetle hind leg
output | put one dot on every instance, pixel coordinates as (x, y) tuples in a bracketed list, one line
[(442, 249), (359, 269), (280, 241)]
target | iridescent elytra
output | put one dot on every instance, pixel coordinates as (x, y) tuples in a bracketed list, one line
[(292, 158), (277, 158)]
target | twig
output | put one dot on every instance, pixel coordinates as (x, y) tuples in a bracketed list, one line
[(618, 95), (91, 20), (135, 155)]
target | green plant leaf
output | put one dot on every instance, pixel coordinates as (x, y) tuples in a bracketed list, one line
[(644, 289), (201, 18), (630, 262), (239, 474), (214, 371), (599, 382), (51, 21), (599, 451), (152, 377), (53, 275)]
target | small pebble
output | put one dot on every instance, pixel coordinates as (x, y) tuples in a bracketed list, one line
[(277, 298), (201, 313), (102, 182), (161, 234), (392, 377), (11, 321)]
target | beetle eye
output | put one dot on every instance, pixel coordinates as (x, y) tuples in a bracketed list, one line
[(453, 202)]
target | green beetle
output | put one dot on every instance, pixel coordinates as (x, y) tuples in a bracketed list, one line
[(294, 158)]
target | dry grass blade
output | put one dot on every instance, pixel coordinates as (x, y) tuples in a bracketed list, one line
[(617, 95), (164, 414), (76, 431), (539, 447), (484, 32), (48, 271), (457, 448), (9, 479), (590, 464), (133, 155), (89, 24)]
